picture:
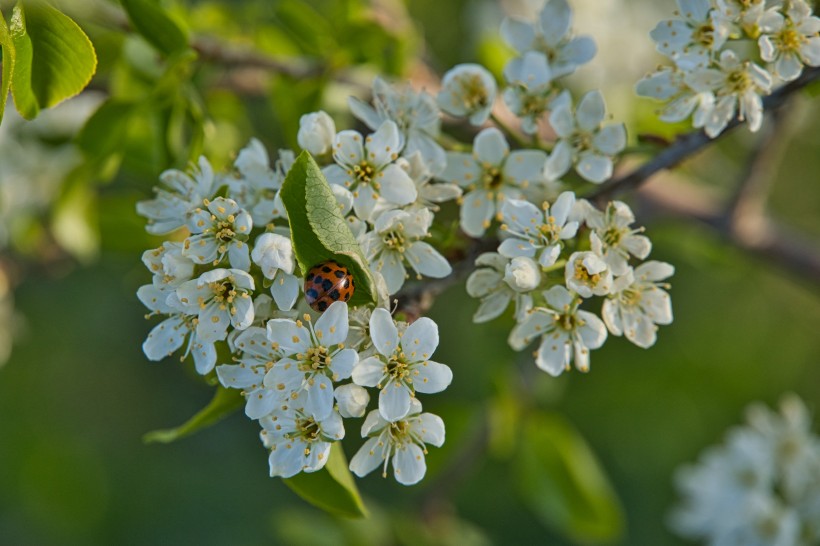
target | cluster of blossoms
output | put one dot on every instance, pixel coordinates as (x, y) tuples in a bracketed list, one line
[(560, 256), (228, 280), (762, 487), (711, 80)]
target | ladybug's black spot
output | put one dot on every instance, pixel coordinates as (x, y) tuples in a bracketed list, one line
[(309, 277), (327, 269), (345, 283), (311, 294), (318, 279), (327, 284), (340, 273), (335, 295), (347, 296), (322, 305)]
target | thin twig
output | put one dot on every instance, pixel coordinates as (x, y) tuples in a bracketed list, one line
[(687, 145), (215, 52)]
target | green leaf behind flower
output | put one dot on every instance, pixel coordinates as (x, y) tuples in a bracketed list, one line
[(318, 230), (224, 403), (156, 26), (332, 489), (563, 483)]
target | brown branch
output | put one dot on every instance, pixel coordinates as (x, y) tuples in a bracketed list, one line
[(215, 52), (689, 144)]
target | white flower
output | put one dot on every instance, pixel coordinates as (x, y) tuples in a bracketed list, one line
[(670, 83), (256, 356), (567, 333), (274, 254), (415, 113), (613, 239), (396, 241), (316, 132), (352, 400), (404, 440), (534, 231), (468, 90), (401, 368), (429, 193), (169, 335), (638, 303), (744, 13), (694, 40), (367, 168), (552, 36), (221, 230), (171, 207), (219, 298), (587, 274), (255, 186), (790, 42), (313, 357), (530, 90), (491, 175), (298, 440), (737, 86), (583, 141), (487, 283), (522, 274), (169, 267), (761, 488)]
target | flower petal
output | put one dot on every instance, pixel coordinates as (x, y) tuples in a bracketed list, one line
[(431, 377), (409, 465), (394, 401)]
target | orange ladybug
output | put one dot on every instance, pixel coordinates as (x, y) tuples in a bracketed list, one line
[(328, 282)]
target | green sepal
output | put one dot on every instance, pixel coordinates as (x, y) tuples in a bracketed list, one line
[(332, 488), (224, 403), (318, 230)]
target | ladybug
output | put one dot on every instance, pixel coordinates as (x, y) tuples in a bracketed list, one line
[(328, 282)]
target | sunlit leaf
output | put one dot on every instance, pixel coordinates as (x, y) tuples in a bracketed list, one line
[(54, 58), (332, 489), (224, 403), (8, 64), (317, 229), (562, 482)]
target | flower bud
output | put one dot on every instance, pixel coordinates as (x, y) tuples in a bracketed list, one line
[(272, 252), (316, 132), (522, 274), (352, 400)]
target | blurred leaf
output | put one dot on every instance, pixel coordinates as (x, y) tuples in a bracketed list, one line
[(318, 231), (105, 131), (8, 64), (332, 489), (156, 26), (74, 222), (224, 403), (54, 58), (563, 483)]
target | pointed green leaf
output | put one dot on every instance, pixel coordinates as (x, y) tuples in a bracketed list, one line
[(332, 489), (54, 58), (156, 26), (8, 64), (563, 483), (317, 228), (224, 403)]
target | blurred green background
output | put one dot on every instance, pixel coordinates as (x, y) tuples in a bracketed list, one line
[(77, 394)]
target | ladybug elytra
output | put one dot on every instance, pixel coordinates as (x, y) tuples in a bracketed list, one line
[(328, 282)]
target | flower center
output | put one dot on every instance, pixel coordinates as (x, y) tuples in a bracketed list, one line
[(612, 236), (315, 359), (704, 35), (581, 141), (493, 179), (224, 292), (223, 229), (474, 93), (399, 431), (789, 39), (550, 230), (397, 367), (307, 429), (738, 80), (567, 322), (583, 275), (631, 297), (364, 172), (395, 240), (533, 105)]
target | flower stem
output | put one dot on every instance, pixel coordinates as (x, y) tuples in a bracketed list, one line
[(515, 135)]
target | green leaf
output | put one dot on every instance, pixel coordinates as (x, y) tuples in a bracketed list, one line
[(332, 489), (563, 483), (156, 26), (54, 58), (105, 131), (317, 229), (224, 403), (8, 64)]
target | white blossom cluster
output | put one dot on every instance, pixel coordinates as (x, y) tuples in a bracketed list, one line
[(226, 284), (760, 488), (556, 259), (715, 77)]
